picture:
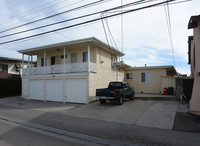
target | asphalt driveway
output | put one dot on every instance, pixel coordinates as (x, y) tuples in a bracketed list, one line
[(149, 113)]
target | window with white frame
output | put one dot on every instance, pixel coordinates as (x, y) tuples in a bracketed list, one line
[(129, 76), (145, 77)]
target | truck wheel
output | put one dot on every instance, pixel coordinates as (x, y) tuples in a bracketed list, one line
[(102, 101), (120, 100), (132, 97)]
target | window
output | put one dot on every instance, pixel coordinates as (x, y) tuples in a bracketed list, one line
[(62, 56), (145, 77), (73, 57), (52, 60), (129, 76), (4, 68), (85, 56), (112, 62), (42, 61)]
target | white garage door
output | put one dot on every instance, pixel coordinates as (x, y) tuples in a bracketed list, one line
[(36, 89), (76, 90), (54, 90)]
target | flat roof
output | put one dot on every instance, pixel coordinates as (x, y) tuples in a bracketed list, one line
[(90, 40), (153, 67)]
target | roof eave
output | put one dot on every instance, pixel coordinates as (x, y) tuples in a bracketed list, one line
[(86, 40)]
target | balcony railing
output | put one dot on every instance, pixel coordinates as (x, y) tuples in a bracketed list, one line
[(60, 69)]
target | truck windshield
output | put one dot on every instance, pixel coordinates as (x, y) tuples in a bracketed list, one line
[(115, 86)]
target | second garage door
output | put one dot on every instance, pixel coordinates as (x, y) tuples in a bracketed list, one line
[(76, 90), (54, 90)]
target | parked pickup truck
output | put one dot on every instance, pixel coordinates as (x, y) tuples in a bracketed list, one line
[(116, 91)]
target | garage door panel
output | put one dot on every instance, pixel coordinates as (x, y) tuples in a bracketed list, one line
[(76, 90), (36, 89), (54, 90)]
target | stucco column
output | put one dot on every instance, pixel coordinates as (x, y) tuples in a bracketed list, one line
[(44, 61), (22, 64), (88, 58), (31, 60), (64, 60), (28, 64)]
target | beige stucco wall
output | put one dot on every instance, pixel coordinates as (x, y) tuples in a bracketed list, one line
[(154, 86), (59, 60), (104, 73), (168, 81), (195, 100)]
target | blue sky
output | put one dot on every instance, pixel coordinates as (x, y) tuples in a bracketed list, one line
[(145, 33)]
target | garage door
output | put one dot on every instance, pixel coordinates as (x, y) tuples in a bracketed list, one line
[(76, 90), (54, 90), (36, 89)]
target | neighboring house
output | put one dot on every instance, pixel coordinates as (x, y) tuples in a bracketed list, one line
[(151, 79), (71, 71), (194, 61), (10, 67)]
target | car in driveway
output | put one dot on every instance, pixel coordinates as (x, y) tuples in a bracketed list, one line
[(116, 91)]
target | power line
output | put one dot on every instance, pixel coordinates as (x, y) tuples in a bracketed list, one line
[(31, 11), (168, 19), (83, 6), (122, 39), (45, 12), (86, 22), (83, 16)]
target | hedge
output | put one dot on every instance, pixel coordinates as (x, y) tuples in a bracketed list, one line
[(10, 87)]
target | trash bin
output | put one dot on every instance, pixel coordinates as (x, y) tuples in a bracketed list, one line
[(164, 91), (170, 91)]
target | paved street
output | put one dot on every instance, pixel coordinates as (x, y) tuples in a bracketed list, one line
[(136, 122)]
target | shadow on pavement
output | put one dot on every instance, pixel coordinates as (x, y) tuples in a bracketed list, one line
[(186, 122)]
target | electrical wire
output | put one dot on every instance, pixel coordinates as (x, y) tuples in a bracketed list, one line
[(83, 16), (122, 35), (32, 18), (57, 14), (168, 19), (86, 22), (31, 11)]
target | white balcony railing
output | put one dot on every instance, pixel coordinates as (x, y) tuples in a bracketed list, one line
[(61, 68)]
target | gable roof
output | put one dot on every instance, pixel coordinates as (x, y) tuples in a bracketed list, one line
[(193, 22), (92, 40)]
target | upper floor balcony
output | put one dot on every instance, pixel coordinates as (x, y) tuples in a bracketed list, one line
[(79, 67)]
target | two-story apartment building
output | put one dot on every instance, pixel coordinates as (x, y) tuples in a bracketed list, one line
[(71, 71), (194, 61)]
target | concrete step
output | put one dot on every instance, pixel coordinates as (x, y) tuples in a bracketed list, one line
[(143, 96)]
